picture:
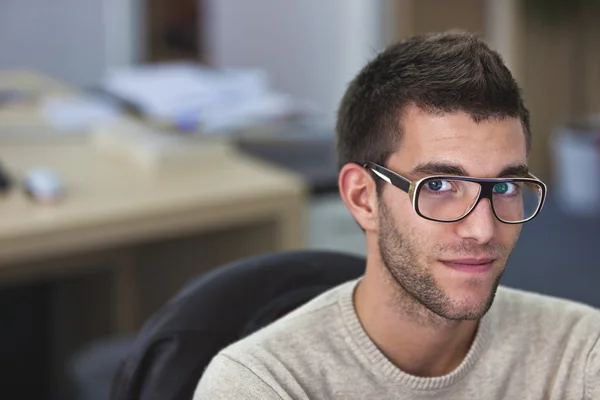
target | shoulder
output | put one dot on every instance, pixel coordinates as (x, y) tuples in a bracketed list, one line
[(545, 321), (592, 373), (558, 340), (227, 378), (309, 326), (517, 305), (293, 345)]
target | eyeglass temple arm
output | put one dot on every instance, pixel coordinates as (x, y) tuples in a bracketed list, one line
[(530, 175), (389, 176)]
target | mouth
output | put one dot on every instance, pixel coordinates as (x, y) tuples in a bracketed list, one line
[(470, 265)]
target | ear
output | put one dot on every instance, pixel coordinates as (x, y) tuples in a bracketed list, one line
[(359, 193)]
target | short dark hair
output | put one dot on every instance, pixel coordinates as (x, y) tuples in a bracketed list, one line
[(441, 72)]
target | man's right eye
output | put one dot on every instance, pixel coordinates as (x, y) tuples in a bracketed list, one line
[(439, 185)]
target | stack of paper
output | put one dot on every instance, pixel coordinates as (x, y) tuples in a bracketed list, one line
[(78, 113), (155, 150), (193, 97)]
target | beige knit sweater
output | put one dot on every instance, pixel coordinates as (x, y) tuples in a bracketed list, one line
[(528, 346)]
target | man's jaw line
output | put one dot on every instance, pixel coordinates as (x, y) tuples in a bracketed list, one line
[(476, 268), (413, 307)]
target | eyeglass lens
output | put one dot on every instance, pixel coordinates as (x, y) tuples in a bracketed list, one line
[(447, 199)]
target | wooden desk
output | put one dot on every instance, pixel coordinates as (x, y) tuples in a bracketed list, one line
[(112, 209), (125, 239)]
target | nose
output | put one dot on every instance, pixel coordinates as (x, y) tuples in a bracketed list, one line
[(480, 224)]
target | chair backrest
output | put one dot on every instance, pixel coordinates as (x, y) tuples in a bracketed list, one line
[(218, 308)]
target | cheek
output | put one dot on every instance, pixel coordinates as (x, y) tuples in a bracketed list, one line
[(396, 198), (426, 237), (406, 218), (508, 235), (400, 206)]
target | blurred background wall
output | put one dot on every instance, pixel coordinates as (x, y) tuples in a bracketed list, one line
[(555, 61), (73, 40), (310, 48)]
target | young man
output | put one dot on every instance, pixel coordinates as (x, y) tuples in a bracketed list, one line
[(433, 138)]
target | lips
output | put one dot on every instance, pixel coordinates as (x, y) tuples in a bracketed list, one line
[(473, 265)]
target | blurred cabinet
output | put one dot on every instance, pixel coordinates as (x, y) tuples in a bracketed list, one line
[(548, 61), (174, 30), (123, 241), (409, 17)]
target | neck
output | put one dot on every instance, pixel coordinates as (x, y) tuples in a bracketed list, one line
[(412, 337)]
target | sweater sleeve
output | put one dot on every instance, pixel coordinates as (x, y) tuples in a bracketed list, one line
[(228, 379), (592, 376)]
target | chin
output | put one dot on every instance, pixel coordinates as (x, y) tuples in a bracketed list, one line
[(468, 295), (469, 302), (467, 309)]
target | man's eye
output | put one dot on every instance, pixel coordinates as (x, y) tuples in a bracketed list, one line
[(505, 188), (439, 185)]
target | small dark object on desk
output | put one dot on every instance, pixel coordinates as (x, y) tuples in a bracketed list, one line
[(10, 96), (5, 182)]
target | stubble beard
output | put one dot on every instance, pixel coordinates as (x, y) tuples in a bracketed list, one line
[(419, 295)]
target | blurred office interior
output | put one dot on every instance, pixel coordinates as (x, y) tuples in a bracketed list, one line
[(144, 142)]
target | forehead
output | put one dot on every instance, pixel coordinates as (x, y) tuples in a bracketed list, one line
[(482, 148)]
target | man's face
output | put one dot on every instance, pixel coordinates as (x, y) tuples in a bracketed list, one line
[(427, 258)]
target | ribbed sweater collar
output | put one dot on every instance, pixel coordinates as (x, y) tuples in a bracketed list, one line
[(384, 366)]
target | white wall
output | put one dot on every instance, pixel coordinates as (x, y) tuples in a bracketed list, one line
[(124, 33), (73, 40), (310, 48), (503, 31)]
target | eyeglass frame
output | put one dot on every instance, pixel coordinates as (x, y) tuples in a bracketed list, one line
[(486, 191)]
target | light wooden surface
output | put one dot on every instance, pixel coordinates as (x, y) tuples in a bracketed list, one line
[(114, 213), (29, 80), (109, 203), (110, 206)]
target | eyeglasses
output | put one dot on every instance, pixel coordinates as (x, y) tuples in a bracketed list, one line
[(445, 198)]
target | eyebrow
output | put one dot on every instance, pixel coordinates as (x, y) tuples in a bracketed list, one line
[(439, 168), (519, 170)]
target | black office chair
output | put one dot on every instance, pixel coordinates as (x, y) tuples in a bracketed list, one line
[(174, 347)]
